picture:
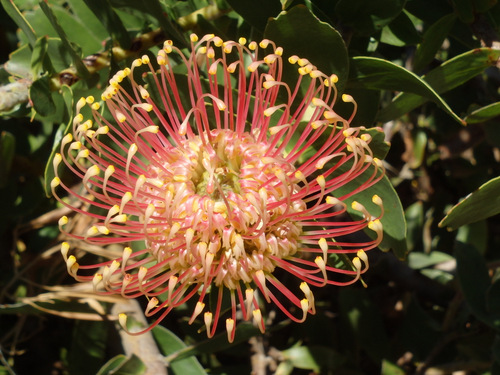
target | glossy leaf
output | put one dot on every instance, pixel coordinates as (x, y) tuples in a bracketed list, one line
[(91, 41), (40, 62), (375, 73), (301, 357), (432, 41), (77, 61), (389, 368), (256, 12), (321, 44), (169, 343), (122, 365), (483, 114), (418, 260), (414, 215), (218, 343), (72, 20), (110, 20), (393, 220), (475, 234), (449, 75), (480, 204)]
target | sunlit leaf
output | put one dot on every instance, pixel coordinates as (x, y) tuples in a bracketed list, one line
[(449, 75), (482, 203), (389, 368), (77, 61), (393, 220), (169, 343), (400, 32), (321, 44), (122, 365), (301, 357), (110, 20), (483, 114), (375, 73)]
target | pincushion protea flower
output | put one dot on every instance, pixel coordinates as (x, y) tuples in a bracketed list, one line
[(222, 190)]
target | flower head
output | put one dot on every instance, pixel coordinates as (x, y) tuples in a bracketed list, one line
[(224, 174)]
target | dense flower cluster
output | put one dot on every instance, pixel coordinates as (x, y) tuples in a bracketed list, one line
[(225, 173)]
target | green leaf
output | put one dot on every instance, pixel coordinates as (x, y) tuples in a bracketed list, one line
[(110, 20), (418, 260), (321, 44), (400, 32), (19, 63), (480, 204), (72, 20), (483, 114), (40, 96), (256, 12), (14, 13), (7, 150), (375, 73), (169, 343), (378, 144), (449, 75), (414, 215), (393, 220), (77, 61), (368, 17), (217, 343), (155, 9), (432, 41), (40, 61), (82, 17), (122, 365), (301, 357), (389, 368), (367, 99), (475, 234)]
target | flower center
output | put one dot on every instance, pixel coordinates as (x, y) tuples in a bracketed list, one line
[(223, 208)]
